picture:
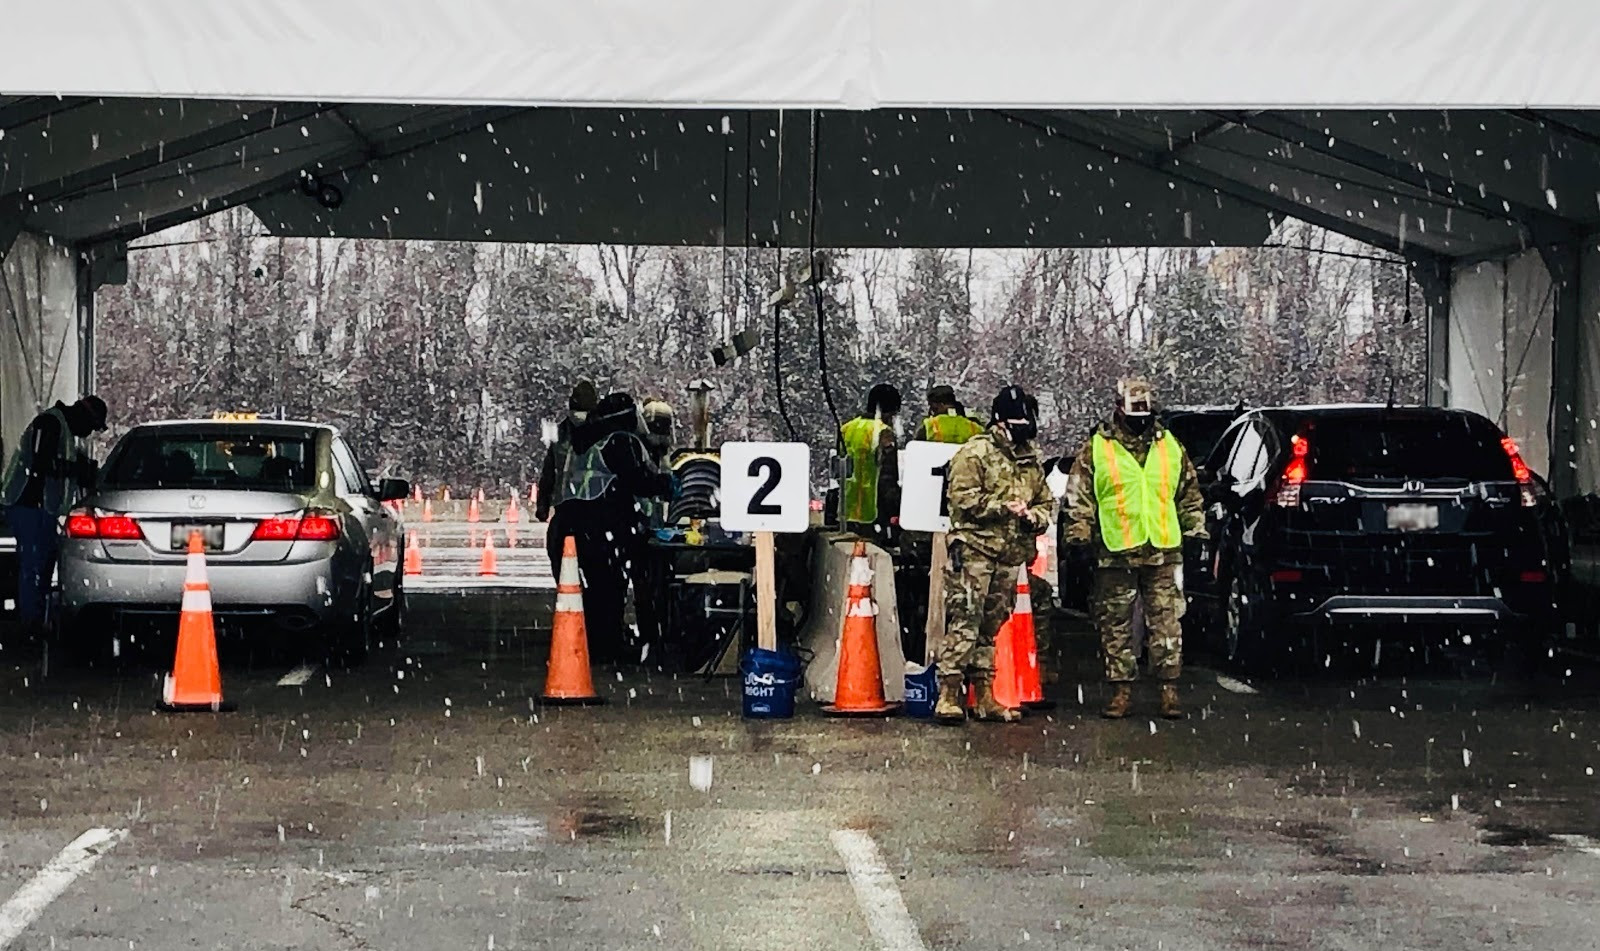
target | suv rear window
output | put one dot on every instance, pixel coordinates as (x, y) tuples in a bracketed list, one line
[(229, 458), (1399, 448)]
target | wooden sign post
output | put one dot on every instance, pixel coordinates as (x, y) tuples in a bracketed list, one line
[(766, 488)]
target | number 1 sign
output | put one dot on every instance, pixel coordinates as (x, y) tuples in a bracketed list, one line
[(766, 486), (924, 506)]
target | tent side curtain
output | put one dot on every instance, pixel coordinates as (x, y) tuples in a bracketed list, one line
[(39, 334), (821, 53)]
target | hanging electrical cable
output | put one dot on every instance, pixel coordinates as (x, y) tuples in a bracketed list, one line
[(816, 271), (777, 308)]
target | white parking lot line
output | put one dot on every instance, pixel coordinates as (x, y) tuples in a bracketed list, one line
[(298, 677), (46, 886), (876, 892), (1234, 686)]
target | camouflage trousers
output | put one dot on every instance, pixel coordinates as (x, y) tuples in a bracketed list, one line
[(1043, 595), (1112, 597), (979, 594)]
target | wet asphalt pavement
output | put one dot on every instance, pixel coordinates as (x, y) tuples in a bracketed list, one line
[(427, 801)]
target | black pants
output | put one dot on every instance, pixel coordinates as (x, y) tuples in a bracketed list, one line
[(606, 538)]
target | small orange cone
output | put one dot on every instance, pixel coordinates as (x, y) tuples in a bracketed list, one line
[(413, 556), (427, 510), (195, 683), (513, 513), (472, 511), (533, 495), (1041, 561), (488, 565), (859, 691), (1016, 662), (567, 679), (416, 493)]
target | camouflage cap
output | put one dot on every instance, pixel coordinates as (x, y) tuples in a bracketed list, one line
[(1135, 396)]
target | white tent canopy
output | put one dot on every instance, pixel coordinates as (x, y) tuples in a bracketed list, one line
[(856, 54), (1445, 131)]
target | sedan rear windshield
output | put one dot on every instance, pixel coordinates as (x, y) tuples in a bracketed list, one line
[(221, 458), (1401, 449)]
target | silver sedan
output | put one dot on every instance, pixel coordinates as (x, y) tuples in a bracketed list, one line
[(294, 533)]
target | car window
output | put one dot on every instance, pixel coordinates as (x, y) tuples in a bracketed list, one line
[(225, 457), (1217, 463), (1198, 432), (1400, 448), (1249, 456), (353, 482)]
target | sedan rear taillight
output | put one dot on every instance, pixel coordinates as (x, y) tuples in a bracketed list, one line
[(310, 527), (112, 527)]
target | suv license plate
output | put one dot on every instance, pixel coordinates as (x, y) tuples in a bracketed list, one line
[(1413, 518), (211, 535)]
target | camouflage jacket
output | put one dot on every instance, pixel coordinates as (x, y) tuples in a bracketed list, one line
[(1081, 518), (987, 472)]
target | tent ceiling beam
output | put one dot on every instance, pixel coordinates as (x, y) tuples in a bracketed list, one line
[(1199, 176), (1540, 223)]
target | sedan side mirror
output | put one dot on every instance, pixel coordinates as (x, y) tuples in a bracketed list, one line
[(393, 490)]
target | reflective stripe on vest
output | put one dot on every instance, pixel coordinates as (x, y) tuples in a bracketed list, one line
[(950, 428), (1138, 504), (22, 466), (588, 476), (860, 437)]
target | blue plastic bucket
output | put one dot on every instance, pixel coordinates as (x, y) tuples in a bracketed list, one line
[(922, 691), (770, 680)]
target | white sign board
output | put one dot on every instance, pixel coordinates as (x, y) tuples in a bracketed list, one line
[(766, 486), (922, 483)]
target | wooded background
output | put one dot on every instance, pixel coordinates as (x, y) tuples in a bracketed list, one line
[(450, 363)]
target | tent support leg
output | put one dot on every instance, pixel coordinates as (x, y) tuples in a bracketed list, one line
[(1563, 263), (1432, 274)]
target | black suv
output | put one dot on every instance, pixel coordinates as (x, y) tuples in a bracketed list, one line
[(1374, 519)]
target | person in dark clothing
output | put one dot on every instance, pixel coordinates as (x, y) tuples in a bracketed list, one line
[(608, 474), (554, 469), (44, 478)]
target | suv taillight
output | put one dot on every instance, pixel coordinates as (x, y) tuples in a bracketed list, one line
[(1294, 473), (312, 527), (1521, 472), (113, 527)]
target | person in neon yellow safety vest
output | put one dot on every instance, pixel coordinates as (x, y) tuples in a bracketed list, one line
[(946, 422), (870, 493), (1133, 495)]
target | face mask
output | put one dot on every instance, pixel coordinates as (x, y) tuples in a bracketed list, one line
[(1022, 431), (579, 415), (1140, 424)]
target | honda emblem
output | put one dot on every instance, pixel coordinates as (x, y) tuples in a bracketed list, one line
[(197, 501), (1412, 486)]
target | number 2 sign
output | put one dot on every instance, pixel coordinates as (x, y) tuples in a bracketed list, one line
[(766, 486)]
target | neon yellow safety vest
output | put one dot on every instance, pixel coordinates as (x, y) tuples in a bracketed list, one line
[(860, 438), (1138, 504), (950, 428)]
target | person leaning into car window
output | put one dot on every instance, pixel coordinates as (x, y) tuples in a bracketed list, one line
[(46, 475)]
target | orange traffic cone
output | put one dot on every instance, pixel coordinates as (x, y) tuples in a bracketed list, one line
[(567, 679), (413, 556), (416, 493), (859, 691), (427, 510), (472, 511), (446, 496), (488, 565), (533, 495), (1041, 561), (513, 513), (1016, 658), (196, 681)]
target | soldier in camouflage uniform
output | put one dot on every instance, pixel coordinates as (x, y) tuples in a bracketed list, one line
[(1133, 496), (998, 504)]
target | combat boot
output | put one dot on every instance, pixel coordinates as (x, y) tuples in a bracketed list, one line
[(949, 709), (986, 707), (1121, 702), (1170, 707)]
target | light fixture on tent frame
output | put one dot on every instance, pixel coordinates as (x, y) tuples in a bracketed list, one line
[(328, 195)]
